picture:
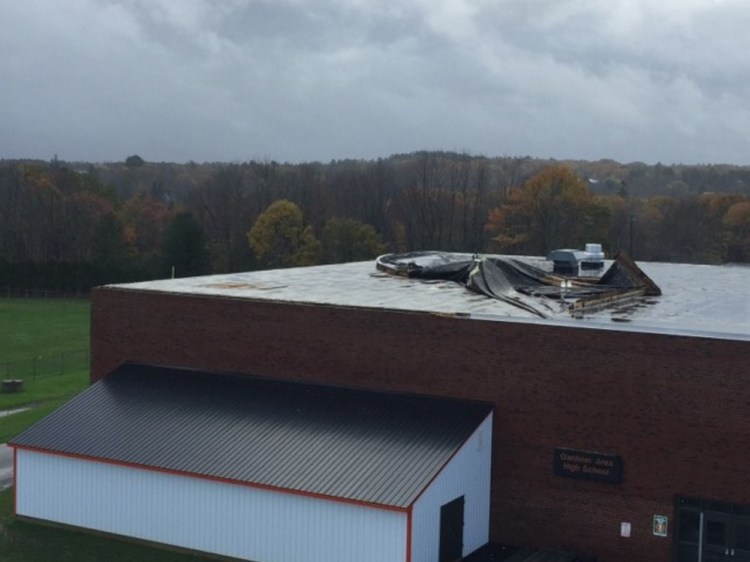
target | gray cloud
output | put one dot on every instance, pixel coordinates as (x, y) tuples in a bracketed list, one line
[(323, 79)]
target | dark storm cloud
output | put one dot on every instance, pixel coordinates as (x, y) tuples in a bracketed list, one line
[(314, 80)]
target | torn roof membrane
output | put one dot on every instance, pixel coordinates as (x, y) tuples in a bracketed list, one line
[(526, 286)]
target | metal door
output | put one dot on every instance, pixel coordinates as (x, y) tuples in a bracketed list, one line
[(452, 530)]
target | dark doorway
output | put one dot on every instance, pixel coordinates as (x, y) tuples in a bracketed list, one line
[(452, 530), (712, 531)]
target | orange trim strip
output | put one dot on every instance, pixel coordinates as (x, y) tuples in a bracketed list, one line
[(15, 487), (408, 534), (267, 487)]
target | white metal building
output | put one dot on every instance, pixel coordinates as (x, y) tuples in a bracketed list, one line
[(262, 470)]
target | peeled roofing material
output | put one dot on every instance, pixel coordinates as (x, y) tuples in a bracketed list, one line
[(523, 285), (365, 446)]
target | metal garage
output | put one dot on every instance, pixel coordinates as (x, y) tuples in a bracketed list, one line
[(262, 470)]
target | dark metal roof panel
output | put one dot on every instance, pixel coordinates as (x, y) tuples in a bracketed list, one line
[(374, 447)]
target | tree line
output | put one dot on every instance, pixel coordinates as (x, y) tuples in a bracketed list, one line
[(76, 225)]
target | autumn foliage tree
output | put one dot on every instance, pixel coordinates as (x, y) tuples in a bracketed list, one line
[(110, 248), (553, 209), (146, 218), (737, 223), (280, 238)]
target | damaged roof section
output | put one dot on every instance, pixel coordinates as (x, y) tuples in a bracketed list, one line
[(526, 286)]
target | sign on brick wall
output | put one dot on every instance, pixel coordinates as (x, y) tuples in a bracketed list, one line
[(587, 465)]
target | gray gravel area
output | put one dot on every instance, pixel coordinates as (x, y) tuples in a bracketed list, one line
[(6, 467)]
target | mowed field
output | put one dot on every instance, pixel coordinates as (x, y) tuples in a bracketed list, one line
[(42, 327), (35, 336), (45, 331)]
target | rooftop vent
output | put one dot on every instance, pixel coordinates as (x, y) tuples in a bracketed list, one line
[(568, 262), (594, 257)]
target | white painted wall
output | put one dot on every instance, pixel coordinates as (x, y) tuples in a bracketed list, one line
[(468, 474), (205, 515)]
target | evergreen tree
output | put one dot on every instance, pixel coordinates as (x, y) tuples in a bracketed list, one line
[(184, 251)]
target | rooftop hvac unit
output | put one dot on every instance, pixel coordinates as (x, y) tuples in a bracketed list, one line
[(594, 257), (568, 262)]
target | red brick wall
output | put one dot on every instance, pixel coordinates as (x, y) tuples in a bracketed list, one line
[(676, 409)]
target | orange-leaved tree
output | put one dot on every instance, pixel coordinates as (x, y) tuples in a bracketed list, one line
[(737, 223), (553, 209)]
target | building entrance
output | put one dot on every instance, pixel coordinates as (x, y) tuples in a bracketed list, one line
[(710, 531), (452, 530)]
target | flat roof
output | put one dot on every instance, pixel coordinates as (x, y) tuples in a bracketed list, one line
[(698, 300), (344, 443)]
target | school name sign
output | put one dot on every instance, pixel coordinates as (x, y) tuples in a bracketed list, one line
[(587, 465)]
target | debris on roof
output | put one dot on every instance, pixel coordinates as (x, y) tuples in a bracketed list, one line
[(524, 285)]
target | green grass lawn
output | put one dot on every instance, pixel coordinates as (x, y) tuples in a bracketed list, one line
[(46, 388), (39, 340), (42, 327)]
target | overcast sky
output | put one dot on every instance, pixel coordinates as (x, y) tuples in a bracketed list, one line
[(304, 80)]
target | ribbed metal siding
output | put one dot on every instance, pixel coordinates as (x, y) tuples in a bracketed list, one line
[(468, 474), (205, 515)]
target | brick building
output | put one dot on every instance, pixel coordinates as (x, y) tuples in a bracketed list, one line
[(624, 434)]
